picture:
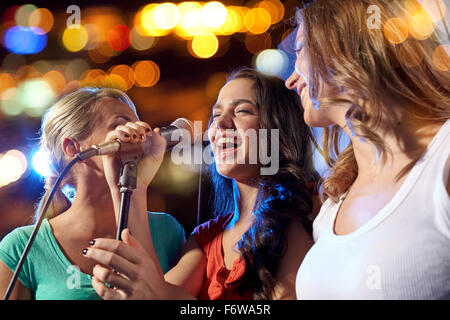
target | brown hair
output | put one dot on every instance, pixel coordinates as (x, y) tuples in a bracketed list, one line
[(342, 51), (283, 197)]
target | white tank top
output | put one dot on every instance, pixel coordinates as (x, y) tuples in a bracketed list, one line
[(403, 252)]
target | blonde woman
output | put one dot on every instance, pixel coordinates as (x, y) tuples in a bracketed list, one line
[(384, 230), (55, 267)]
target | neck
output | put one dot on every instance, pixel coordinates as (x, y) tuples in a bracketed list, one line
[(244, 194), (405, 139), (92, 211)]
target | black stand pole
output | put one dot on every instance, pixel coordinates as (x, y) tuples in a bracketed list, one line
[(127, 183)]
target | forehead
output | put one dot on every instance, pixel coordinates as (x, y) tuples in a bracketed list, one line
[(109, 107), (300, 37), (237, 88)]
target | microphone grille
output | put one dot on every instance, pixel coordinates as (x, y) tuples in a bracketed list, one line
[(182, 123)]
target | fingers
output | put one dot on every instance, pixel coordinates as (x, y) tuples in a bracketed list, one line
[(130, 240), (118, 247), (106, 292), (133, 132), (113, 279), (113, 260)]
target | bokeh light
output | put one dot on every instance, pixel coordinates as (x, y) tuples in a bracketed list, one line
[(272, 62), (75, 39), (125, 73), (41, 162), (441, 57), (420, 25), (25, 40), (35, 96), (23, 13), (214, 14), (257, 20), (145, 22), (13, 165), (274, 7), (204, 45), (166, 16), (395, 30), (118, 37), (146, 73), (42, 19)]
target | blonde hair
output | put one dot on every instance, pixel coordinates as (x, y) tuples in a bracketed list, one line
[(72, 116), (344, 52)]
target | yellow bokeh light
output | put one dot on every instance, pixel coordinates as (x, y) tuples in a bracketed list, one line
[(125, 72), (420, 25), (166, 16), (145, 22), (436, 9), (395, 30), (190, 23), (75, 39), (214, 14), (257, 20), (441, 57), (205, 45)]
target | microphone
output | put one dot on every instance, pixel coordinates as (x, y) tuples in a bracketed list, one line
[(180, 129)]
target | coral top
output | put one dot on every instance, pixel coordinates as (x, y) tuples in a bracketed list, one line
[(217, 284)]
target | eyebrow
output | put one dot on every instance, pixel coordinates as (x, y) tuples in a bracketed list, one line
[(235, 103)]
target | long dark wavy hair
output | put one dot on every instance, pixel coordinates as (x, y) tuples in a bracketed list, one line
[(282, 197)]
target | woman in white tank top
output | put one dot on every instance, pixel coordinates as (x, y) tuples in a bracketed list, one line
[(363, 69)]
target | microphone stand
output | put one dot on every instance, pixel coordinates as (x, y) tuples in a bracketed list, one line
[(127, 183)]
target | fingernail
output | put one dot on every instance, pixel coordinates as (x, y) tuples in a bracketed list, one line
[(92, 242), (84, 251), (142, 137)]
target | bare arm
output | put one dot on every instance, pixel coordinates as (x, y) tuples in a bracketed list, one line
[(190, 270), (298, 244), (20, 292)]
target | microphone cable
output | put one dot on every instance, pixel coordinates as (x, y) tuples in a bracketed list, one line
[(41, 217)]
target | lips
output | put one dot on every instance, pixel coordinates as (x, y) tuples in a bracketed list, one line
[(301, 91), (226, 145)]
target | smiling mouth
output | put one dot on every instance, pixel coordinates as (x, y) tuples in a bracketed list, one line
[(302, 91), (228, 144)]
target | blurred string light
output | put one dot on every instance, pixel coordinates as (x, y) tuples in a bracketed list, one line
[(13, 164)]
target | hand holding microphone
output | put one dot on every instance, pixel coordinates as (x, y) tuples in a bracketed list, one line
[(137, 139)]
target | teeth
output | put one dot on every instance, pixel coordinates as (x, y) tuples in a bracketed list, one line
[(225, 140)]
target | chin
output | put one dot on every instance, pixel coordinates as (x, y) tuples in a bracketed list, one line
[(239, 172)]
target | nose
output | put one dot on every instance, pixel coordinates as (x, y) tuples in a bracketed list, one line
[(223, 121), (291, 82)]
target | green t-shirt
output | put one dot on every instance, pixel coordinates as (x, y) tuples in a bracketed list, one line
[(49, 274)]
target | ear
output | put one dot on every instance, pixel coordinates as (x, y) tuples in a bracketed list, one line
[(70, 147)]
